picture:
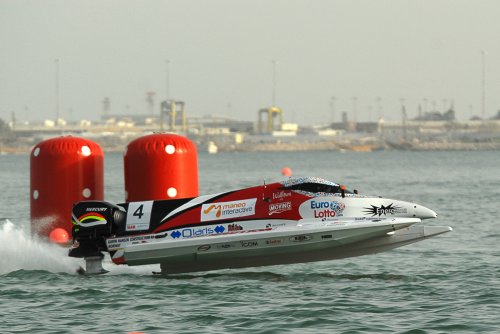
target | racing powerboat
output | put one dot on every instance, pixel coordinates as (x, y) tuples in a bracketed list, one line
[(293, 221)]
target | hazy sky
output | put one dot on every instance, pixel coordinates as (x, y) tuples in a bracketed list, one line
[(221, 56)]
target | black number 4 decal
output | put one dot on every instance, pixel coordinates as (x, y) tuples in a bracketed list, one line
[(138, 213)]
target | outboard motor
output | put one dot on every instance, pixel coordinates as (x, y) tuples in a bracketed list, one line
[(93, 223)]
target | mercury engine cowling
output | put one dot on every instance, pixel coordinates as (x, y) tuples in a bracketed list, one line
[(93, 222)]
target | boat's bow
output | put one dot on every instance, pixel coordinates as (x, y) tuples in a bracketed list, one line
[(394, 239)]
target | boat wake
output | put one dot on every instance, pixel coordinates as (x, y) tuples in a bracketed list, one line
[(20, 251)]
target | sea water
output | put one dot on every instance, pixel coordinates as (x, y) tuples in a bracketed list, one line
[(450, 283)]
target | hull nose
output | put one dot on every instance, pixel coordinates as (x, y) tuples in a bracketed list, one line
[(424, 213)]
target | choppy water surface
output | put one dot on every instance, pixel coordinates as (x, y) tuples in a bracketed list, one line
[(447, 284)]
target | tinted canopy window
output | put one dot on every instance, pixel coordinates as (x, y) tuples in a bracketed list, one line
[(315, 188)]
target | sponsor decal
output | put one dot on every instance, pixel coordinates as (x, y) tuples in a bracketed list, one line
[(300, 238), (324, 214), (197, 232), (226, 210), (116, 243), (138, 216), (280, 207), (332, 205), (243, 231), (141, 237), (249, 244), (96, 209), (321, 208), (203, 248), (90, 219), (234, 227), (391, 209), (270, 225), (281, 195), (274, 241)]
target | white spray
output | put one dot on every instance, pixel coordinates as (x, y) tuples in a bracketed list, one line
[(19, 250)]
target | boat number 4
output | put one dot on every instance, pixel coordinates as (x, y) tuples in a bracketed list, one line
[(139, 215)]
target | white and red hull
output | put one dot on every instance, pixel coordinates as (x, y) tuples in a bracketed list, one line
[(290, 222)]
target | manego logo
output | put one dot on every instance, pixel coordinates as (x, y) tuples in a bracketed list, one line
[(226, 210), (217, 208)]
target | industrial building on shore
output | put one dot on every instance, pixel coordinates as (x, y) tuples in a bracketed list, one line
[(429, 130)]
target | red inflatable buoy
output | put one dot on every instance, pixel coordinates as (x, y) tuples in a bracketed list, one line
[(59, 236), (286, 171), (160, 166), (63, 171)]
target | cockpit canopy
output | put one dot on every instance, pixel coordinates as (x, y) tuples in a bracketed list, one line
[(316, 186)]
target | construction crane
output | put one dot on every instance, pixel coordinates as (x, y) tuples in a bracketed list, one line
[(271, 112), (174, 112)]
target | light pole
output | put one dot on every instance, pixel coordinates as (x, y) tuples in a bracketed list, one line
[(167, 78), (275, 63), (483, 84)]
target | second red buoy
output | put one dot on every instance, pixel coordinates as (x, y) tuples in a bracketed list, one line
[(160, 166)]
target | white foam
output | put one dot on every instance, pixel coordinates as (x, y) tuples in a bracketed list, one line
[(19, 250), (114, 269)]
